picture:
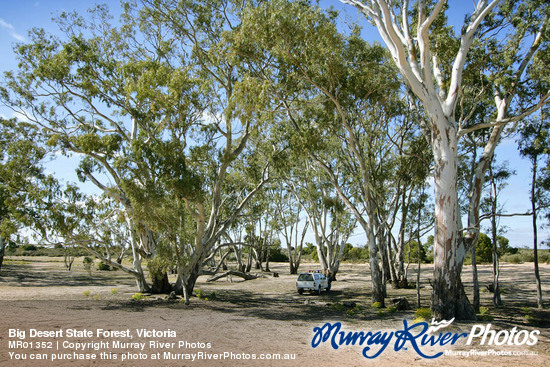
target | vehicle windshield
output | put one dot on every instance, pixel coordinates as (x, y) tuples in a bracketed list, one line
[(305, 277)]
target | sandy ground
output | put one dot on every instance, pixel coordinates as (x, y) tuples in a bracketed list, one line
[(260, 318)]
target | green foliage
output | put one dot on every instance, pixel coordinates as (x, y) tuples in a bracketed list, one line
[(199, 293), (276, 254), (513, 259), (422, 314), (377, 305), (356, 253), (14, 250), (103, 267), (309, 249), (410, 252), (88, 262), (114, 291), (484, 314), (25, 189), (138, 296), (526, 255), (484, 249), (86, 293), (504, 245)]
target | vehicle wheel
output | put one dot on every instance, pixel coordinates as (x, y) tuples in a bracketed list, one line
[(300, 290)]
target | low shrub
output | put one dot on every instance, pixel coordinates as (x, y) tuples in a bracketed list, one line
[(103, 267), (422, 314), (138, 296)]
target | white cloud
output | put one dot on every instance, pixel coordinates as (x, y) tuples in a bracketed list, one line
[(11, 30)]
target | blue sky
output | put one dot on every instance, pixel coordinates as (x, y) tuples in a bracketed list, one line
[(17, 17)]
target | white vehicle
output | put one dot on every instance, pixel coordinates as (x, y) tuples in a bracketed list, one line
[(312, 282)]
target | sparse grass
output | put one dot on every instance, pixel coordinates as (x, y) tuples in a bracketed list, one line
[(484, 314), (387, 311), (199, 293), (528, 314), (337, 307), (86, 293), (114, 291), (96, 296), (422, 315), (138, 296), (377, 305)]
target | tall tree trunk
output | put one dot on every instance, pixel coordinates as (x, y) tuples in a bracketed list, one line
[(394, 279), (189, 275), (535, 234), (475, 280), (448, 298), (378, 286), (384, 257), (418, 305), (2, 251), (160, 283), (249, 260), (136, 262), (401, 274), (497, 300)]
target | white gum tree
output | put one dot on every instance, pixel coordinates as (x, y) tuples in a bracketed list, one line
[(408, 32)]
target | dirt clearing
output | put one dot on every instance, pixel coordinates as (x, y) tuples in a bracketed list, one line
[(262, 322)]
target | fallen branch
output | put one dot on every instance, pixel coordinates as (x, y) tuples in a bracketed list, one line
[(233, 272)]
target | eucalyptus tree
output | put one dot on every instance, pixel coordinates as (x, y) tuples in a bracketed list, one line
[(232, 145), (289, 222), (497, 180), (344, 108), (26, 191), (164, 121), (327, 216), (104, 94), (432, 61), (534, 144)]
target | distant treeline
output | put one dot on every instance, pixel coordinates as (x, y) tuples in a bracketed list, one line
[(351, 254)]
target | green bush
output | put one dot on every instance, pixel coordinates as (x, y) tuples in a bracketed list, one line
[(103, 267), (513, 259), (484, 249), (423, 314), (277, 255), (199, 293), (544, 257), (138, 296), (410, 252), (527, 256)]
